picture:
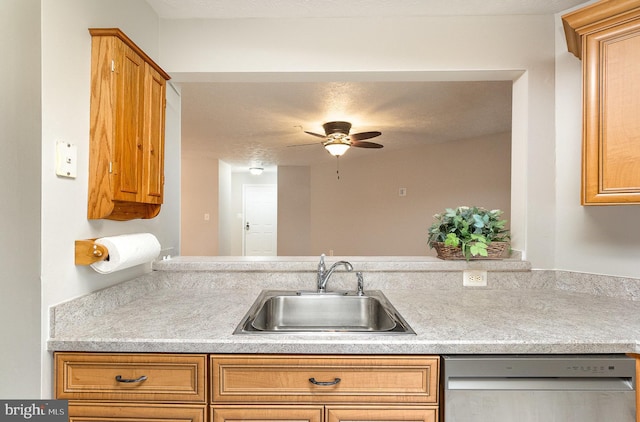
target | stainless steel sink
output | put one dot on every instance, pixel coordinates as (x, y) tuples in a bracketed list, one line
[(276, 311)]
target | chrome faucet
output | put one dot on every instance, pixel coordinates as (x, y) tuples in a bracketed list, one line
[(324, 274), (360, 289)]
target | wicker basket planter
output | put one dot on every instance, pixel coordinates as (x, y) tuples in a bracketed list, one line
[(495, 250)]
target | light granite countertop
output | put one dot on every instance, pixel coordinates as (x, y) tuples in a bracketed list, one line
[(190, 307)]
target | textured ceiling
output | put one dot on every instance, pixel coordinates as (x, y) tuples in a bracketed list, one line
[(265, 122), (228, 9)]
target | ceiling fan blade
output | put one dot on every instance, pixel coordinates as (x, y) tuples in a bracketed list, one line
[(305, 145), (315, 134), (364, 135), (365, 144)]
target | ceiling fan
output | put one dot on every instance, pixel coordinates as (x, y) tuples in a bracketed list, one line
[(337, 139)]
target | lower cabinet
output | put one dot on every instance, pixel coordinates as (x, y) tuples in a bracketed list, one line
[(387, 414), (139, 412), (156, 387), (317, 413), (337, 388), (132, 387), (237, 413)]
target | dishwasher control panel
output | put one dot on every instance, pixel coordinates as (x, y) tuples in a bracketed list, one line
[(540, 366)]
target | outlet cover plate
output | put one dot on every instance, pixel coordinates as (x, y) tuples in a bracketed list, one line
[(474, 278), (66, 159)]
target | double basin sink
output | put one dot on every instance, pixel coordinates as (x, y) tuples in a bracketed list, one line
[(279, 311)]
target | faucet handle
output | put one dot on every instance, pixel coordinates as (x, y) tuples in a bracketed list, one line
[(360, 290)]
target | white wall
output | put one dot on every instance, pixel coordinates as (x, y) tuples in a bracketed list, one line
[(594, 239), (199, 196), (362, 213), (20, 128), (225, 218), (171, 209), (66, 58), (395, 48), (294, 210)]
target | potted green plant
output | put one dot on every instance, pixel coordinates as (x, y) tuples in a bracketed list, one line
[(469, 233)]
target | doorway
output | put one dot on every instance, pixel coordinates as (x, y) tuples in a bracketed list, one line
[(260, 220)]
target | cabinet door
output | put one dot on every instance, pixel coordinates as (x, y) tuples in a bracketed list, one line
[(153, 146), (129, 117), (611, 150), (266, 413), (388, 414), (134, 412)]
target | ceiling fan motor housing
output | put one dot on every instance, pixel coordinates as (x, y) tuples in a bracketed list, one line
[(336, 127)]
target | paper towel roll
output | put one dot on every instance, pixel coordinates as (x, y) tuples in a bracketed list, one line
[(126, 251)]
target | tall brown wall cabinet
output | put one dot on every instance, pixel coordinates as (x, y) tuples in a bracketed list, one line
[(606, 36), (126, 155)]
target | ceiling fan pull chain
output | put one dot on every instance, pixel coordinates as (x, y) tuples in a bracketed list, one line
[(338, 166)]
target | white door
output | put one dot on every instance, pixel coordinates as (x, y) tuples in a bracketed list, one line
[(260, 203)]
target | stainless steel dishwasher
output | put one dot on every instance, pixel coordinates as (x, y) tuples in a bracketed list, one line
[(549, 388)]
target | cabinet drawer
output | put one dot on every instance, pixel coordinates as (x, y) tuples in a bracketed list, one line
[(338, 379), (135, 412), (264, 413), (131, 377), (386, 414)]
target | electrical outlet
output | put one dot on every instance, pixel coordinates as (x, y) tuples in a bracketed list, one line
[(474, 278)]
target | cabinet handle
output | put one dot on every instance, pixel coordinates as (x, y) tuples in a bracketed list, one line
[(334, 382), (139, 379)]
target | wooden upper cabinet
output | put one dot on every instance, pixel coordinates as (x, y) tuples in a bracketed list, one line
[(126, 156), (153, 166), (606, 36)]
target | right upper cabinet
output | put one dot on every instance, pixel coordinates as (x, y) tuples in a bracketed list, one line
[(606, 37)]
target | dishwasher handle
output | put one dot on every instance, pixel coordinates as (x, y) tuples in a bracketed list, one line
[(540, 383)]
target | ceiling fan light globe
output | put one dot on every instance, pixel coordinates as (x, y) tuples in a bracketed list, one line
[(336, 149)]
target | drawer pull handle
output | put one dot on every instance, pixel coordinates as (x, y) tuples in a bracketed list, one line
[(334, 382), (139, 379)]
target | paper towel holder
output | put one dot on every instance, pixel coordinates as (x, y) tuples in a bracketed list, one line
[(89, 252)]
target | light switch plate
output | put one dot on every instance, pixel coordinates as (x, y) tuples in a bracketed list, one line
[(66, 159)]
